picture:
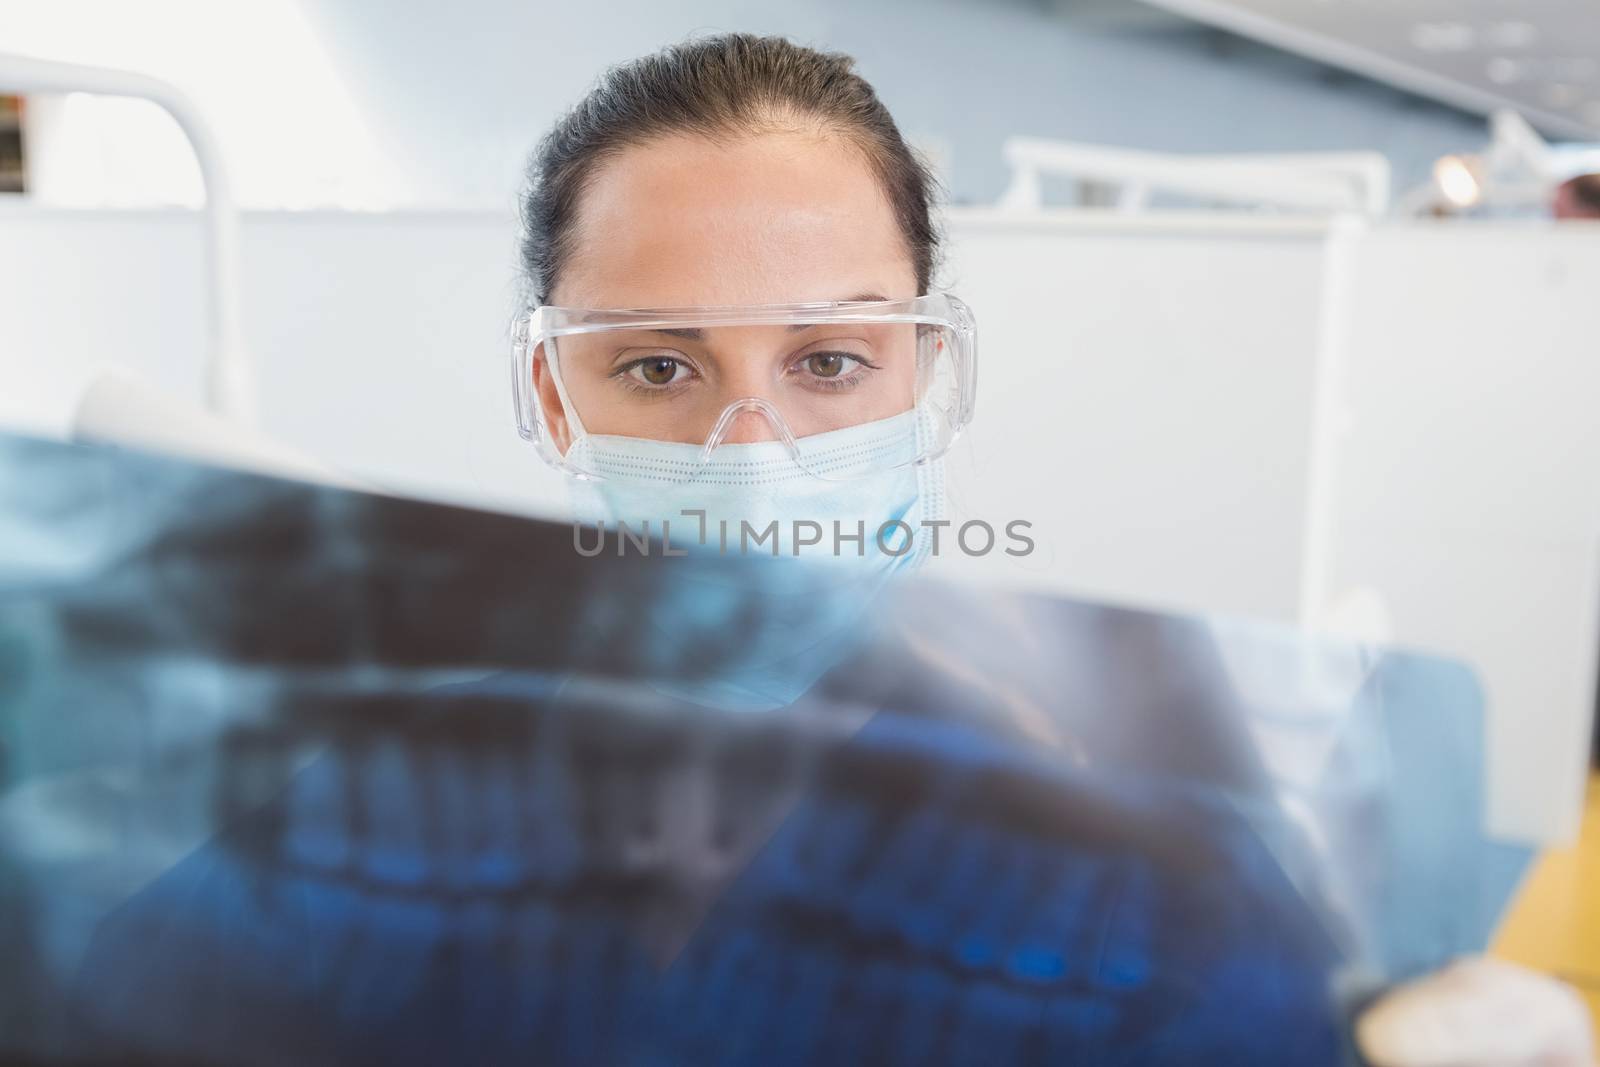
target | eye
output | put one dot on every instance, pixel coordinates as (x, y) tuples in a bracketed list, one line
[(657, 371), (830, 364)]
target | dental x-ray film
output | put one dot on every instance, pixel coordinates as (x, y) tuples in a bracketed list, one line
[(294, 774)]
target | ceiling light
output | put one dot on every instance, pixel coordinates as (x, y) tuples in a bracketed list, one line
[(1503, 71), (1457, 182), (1511, 34), (1443, 36)]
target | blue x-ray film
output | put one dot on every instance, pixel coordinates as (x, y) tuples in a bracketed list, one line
[(289, 774)]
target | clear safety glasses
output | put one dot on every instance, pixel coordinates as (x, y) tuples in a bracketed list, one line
[(835, 389)]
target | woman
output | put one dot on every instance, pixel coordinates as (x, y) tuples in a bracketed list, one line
[(747, 177)]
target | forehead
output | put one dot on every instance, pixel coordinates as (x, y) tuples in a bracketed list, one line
[(770, 218)]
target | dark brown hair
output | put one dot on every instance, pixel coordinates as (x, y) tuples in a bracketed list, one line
[(716, 87)]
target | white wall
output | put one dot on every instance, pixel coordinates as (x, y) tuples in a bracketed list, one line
[(379, 341), (79, 289), (1467, 488), (1144, 399)]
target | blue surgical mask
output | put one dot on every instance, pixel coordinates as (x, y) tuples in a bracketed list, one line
[(857, 480), (784, 610)]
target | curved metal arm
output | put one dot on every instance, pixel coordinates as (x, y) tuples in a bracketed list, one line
[(229, 383)]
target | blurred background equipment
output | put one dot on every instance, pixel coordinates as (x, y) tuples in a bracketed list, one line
[(1517, 173), (228, 374), (12, 160)]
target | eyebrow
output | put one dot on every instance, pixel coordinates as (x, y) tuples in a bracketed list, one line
[(696, 334)]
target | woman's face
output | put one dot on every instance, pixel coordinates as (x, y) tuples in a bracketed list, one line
[(771, 218)]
